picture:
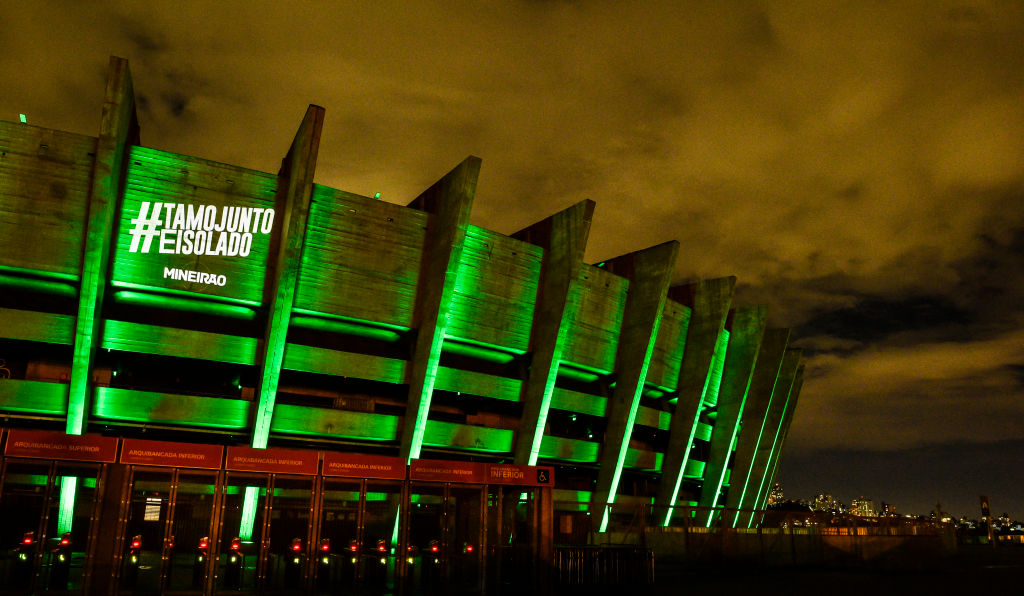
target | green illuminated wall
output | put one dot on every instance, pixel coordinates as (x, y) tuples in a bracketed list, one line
[(363, 258), (594, 336), (44, 189), (495, 291)]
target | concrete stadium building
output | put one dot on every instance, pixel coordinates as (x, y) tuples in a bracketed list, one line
[(215, 379)]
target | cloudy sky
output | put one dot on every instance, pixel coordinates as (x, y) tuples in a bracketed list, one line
[(858, 165)]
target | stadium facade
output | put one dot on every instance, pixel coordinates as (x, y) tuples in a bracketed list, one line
[(216, 379)]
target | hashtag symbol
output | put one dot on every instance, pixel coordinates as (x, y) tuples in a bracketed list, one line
[(145, 228)]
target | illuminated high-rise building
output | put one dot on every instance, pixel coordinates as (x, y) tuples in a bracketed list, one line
[(204, 364), (863, 507)]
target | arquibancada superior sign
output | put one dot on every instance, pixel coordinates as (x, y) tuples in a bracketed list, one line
[(196, 226)]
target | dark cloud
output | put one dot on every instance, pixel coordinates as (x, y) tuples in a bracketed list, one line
[(857, 167)]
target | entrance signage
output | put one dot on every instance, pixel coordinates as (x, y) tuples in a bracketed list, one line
[(438, 470), (167, 453), (520, 475), (356, 465), (278, 461), (57, 445), (433, 470)]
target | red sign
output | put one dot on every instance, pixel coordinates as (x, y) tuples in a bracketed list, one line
[(438, 470), (480, 473), (520, 475), (166, 453), (57, 445), (280, 461), (355, 465)]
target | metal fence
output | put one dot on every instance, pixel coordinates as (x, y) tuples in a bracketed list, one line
[(603, 565), (695, 536)]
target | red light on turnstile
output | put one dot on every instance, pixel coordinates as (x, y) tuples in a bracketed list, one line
[(353, 545), (28, 539), (65, 539), (296, 544), (236, 544), (382, 546), (434, 547), (469, 548), (204, 543), (137, 542)]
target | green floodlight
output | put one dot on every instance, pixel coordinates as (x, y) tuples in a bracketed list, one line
[(24, 120), (376, 195)]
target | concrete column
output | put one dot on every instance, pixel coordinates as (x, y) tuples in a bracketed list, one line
[(787, 419), (449, 201), (295, 191), (119, 129), (709, 302), (772, 422), (752, 427), (746, 328), (564, 239), (649, 272)]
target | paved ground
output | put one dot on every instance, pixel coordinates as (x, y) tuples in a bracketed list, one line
[(973, 571)]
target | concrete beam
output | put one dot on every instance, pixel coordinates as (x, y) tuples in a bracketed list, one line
[(753, 430), (650, 273), (564, 239), (746, 329), (119, 129), (450, 201), (295, 191), (709, 302)]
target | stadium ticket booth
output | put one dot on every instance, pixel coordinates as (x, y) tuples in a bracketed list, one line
[(183, 518), (51, 486)]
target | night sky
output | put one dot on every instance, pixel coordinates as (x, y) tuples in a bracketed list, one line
[(859, 166)]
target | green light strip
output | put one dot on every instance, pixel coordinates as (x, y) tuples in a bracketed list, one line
[(420, 424), (713, 378), (545, 403), (249, 503), (66, 509), (630, 420)]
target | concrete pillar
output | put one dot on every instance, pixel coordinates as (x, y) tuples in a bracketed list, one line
[(709, 302), (752, 426), (650, 273), (772, 422), (295, 191), (449, 201), (746, 328), (119, 129), (787, 419), (564, 239)]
